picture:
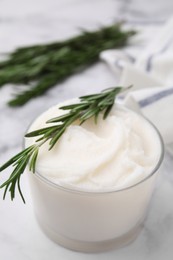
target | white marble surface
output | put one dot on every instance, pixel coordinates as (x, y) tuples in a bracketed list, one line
[(37, 21)]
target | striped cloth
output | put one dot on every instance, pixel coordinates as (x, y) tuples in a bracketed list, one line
[(148, 65)]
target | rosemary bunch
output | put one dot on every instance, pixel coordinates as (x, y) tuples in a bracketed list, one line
[(38, 68), (89, 106)]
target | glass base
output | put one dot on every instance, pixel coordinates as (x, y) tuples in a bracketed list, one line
[(92, 247)]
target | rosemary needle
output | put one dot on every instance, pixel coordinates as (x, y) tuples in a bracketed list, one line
[(89, 106)]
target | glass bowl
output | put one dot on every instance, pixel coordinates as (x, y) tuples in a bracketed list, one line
[(92, 221)]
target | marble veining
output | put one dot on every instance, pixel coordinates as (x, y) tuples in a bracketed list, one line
[(30, 22)]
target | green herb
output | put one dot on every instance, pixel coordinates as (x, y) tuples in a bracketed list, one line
[(39, 68), (89, 106)]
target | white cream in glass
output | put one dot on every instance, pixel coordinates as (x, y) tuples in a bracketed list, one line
[(92, 190)]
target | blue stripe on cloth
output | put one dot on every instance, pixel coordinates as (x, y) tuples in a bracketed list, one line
[(152, 99), (118, 62)]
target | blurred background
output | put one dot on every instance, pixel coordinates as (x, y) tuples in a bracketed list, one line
[(24, 23)]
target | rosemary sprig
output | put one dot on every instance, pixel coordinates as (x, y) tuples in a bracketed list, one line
[(89, 106), (39, 68)]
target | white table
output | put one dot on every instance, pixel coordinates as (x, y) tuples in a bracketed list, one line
[(39, 21)]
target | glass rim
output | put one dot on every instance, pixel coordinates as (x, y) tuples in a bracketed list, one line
[(106, 191)]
